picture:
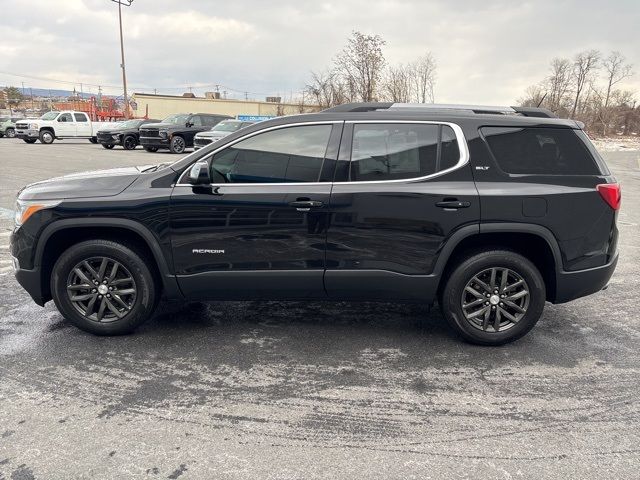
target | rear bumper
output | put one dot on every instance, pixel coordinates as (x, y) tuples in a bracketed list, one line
[(572, 285)]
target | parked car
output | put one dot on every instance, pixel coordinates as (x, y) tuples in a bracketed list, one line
[(124, 133), (8, 127), (176, 132), (488, 211), (222, 129), (59, 125)]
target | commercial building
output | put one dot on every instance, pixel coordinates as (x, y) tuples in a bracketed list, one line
[(160, 106)]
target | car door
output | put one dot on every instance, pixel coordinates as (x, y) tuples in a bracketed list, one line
[(65, 126), (259, 229), (402, 188), (196, 125), (83, 126)]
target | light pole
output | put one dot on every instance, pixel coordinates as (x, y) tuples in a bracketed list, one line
[(126, 3)]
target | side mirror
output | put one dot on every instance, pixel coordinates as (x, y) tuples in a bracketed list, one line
[(189, 124), (199, 174)]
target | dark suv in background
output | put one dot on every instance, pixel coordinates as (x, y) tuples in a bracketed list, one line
[(125, 133), (176, 132), (490, 211)]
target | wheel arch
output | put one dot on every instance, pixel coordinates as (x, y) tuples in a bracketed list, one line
[(62, 234), (534, 242)]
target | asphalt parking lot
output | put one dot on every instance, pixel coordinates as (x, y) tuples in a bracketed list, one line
[(314, 390)]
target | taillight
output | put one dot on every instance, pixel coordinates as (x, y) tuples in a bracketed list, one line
[(610, 193)]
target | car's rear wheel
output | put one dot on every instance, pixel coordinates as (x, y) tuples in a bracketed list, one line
[(93, 140), (151, 149), (104, 287), (178, 144), (10, 133), (493, 297), (46, 137), (108, 146), (129, 142), (29, 140)]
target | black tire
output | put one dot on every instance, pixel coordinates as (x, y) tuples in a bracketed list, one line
[(46, 137), (479, 266), (29, 140), (108, 146), (93, 140), (178, 144), (129, 142), (1, 135), (141, 303), (10, 133), (151, 149)]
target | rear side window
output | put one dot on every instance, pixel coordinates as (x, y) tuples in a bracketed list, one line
[(399, 151), (540, 151), (80, 117)]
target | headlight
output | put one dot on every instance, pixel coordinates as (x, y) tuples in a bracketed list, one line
[(115, 137), (33, 126), (24, 209), (163, 134)]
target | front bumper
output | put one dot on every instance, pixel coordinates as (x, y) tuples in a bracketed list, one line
[(109, 140), (27, 133), (31, 281), (159, 142), (572, 285)]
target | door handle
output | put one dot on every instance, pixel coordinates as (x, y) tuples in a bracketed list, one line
[(453, 204), (305, 205)]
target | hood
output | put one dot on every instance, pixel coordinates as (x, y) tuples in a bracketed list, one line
[(212, 134), (98, 183), (161, 125)]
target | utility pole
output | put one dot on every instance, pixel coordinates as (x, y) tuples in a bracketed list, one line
[(126, 3)]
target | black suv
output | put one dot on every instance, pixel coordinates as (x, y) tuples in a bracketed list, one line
[(124, 133), (176, 132), (489, 211)]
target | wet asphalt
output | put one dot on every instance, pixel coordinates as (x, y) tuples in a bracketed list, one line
[(288, 390)]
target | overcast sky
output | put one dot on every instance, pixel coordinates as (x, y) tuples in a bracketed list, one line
[(487, 51)]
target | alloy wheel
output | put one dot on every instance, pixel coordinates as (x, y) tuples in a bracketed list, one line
[(129, 143), (178, 144), (101, 289), (11, 133), (495, 299)]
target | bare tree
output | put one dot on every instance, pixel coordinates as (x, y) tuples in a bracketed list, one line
[(558, 83), (533, 96), (616, 70), (396, 85), (361, 64), (423, 72), (327, 89), (584, 66)]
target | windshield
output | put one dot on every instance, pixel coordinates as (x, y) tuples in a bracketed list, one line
[(49, 116), (179, 119), (130, 124), (227, 126)]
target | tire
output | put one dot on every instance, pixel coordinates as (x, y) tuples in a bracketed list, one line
[(10, 133), (151, 149), (46, 137), (133, 308), (475, 271), (93, 140), (129, 142), (1, 135), (178, 144), (29, 140), (108, 146)]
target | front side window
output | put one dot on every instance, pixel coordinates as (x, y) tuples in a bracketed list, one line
[(80, 117), (195, 121), (65, 117), (285, 155), (540, 151), (400, 151)]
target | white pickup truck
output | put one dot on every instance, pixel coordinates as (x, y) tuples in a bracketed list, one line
[(59, 125)]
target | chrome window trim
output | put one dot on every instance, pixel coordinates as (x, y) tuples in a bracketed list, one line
[(460, 138)]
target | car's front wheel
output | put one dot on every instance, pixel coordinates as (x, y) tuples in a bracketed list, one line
[(10, 133), (178, 144), (46, 137), (29, 140), (129, 142), (104, 287), (493, 297)]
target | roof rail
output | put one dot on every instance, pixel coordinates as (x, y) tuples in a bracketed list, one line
[(442, 107)]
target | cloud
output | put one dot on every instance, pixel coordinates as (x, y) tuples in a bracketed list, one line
[(487, 52)]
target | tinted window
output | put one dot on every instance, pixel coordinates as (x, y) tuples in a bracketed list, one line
[(210, 121), (541, 151), (397, 151), (65, 117), (195, 121), (293, 154), (80, 117)]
